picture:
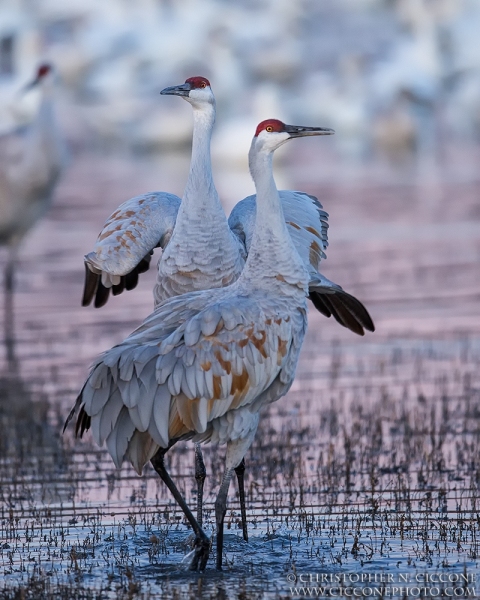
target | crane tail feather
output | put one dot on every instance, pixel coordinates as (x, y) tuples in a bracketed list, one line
[(83, 420)]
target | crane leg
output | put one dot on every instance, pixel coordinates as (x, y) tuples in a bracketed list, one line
[(240, 472), (236, 450), (200, 474), (202, 542), (8, 314), (220, 511)]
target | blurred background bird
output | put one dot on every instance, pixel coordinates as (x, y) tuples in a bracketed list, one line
[(32, 160), (284, 58)]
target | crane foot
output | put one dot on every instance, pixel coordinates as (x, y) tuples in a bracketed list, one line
[(200, 553)]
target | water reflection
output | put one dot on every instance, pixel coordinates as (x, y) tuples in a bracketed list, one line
[(31, 451)]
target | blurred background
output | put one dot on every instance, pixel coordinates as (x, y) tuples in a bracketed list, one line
[(395, 78)]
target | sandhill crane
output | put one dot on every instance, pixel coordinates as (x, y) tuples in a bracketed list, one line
[(204, 364), (198, 257), (27, 182)]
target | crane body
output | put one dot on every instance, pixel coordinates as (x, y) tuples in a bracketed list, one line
[(204, 364)]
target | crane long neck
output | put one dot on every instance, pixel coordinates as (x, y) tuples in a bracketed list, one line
[(272, 258), (44, 155), (45, 122), (200, 196)]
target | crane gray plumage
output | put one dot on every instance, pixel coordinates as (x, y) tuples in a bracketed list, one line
[(307, 223), (204, 364), (201, 249), (28, 177), (194, 257), (125, 245)]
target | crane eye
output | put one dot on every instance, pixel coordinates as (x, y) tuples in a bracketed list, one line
[(269, 129), (203, 85)]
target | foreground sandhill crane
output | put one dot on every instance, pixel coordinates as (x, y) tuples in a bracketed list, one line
[(27, 182), (204, 364), (201, 249)]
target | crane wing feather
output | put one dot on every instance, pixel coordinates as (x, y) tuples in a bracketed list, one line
[(307, 224), (185, 387), (330, 299), (306, 220), (125, 245)]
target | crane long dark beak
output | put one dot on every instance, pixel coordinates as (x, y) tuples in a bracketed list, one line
[(299, 131), (177, 90), (30, 85)]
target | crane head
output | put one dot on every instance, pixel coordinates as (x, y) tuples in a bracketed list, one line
[(43, 72), (272, 133), (195, 90)]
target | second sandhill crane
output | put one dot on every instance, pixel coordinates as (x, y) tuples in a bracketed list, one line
[(27, 182), (204, 364)]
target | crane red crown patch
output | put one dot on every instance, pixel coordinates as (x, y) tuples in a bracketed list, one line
[(270, 125), (43, 70), (198, 83)]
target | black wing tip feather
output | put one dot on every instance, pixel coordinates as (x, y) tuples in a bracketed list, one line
[(358, 309), (83, 423), (131, 280), (83, 420), (319, 304), (144, 264), (346, 310), (101, 297), (118, 289), (94, 287), (71, 414), (344, 315), (90, 286)]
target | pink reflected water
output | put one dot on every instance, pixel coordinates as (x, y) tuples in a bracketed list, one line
[(374, 428)]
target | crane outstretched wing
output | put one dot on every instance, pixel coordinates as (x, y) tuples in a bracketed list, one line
[(306, 220), (190, 362), (307, 223), (125, 245)]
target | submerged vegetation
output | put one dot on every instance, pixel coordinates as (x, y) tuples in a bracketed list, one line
[(368, 466)]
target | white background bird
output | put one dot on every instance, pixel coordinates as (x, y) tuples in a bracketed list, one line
[(27, 181), (204, 363)]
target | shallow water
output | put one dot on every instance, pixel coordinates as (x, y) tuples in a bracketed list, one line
[(369, 466)]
